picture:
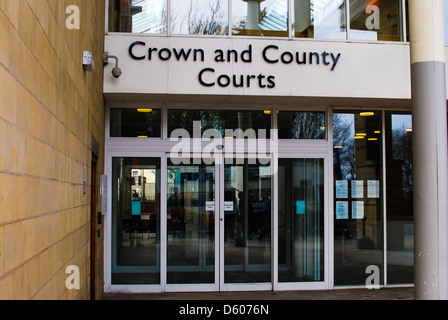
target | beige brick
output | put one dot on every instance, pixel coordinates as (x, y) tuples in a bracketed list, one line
[(13, 245), (20, 289), (7, 197), (33, 275), (8, 95), (2, 235), (6, 283), (11, 8), (4, 39), (27, 25)]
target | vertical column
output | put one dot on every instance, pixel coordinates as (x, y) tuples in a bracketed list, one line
[(253, 14), (302, 15), (429, 148)]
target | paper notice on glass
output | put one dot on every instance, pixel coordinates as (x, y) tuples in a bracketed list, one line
[(357, 209), (373, 188), (341, 209), (209, 205), (341, 189), (300, 207), (357, 189), (228, 205)]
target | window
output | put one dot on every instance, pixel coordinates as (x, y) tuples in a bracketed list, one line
[(135, 123), (323, 19), (320, 19), (256, 18), (399, 186), (301, 125), (252, 123), (208, 17), (376, 20), (358, 223)]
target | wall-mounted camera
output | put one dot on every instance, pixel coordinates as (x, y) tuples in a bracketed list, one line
[(116, 71)]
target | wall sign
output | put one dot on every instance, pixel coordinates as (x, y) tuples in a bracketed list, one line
[(209, 77)]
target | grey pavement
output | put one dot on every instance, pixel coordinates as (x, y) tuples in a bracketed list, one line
[(337, 294)]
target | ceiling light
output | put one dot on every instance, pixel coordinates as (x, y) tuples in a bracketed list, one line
[(372, 139), (409, 130), (359, 137), (367, 114), (144, 110)]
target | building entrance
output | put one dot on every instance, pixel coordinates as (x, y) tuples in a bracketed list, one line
[(233, 224), (222, 221)]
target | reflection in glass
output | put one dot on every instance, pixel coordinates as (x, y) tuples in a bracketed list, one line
[(358, 226), (260, 18), (301, 220), (323, 19), (247, 223), (301, 125), (220, 120), (190, 223), (136, 220), (400, 221), (376, 20), (199, 17), (142, 123), (138, 16)]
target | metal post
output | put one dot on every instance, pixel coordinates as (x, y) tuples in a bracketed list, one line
[(429, 148)]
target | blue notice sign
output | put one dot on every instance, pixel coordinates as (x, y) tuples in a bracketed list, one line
[(300, 207)]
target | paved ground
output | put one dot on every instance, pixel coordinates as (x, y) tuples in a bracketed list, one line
[(339, 294)]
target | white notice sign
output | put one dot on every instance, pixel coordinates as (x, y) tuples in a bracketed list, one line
[(209, 205), (373, 188), (358, 210), (341, 209), (342, 189), (357, 189), (228, 205)]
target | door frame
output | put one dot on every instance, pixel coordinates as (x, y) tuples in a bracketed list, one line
[(325, 284)]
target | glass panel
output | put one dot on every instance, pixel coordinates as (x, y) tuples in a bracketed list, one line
[(247, 223), (190, 223), (220, 120), (301, 125), (320, 19), (260, 18), (358, 226), (138, 16), (136, 220), (300, 220), (141, 123), (376, 20), (199, 17), (400, 217)]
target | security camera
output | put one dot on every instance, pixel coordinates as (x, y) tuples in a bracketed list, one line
[(116, 72)]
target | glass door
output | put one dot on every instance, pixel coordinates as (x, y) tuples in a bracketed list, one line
[(190, 223), (247, 223)]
